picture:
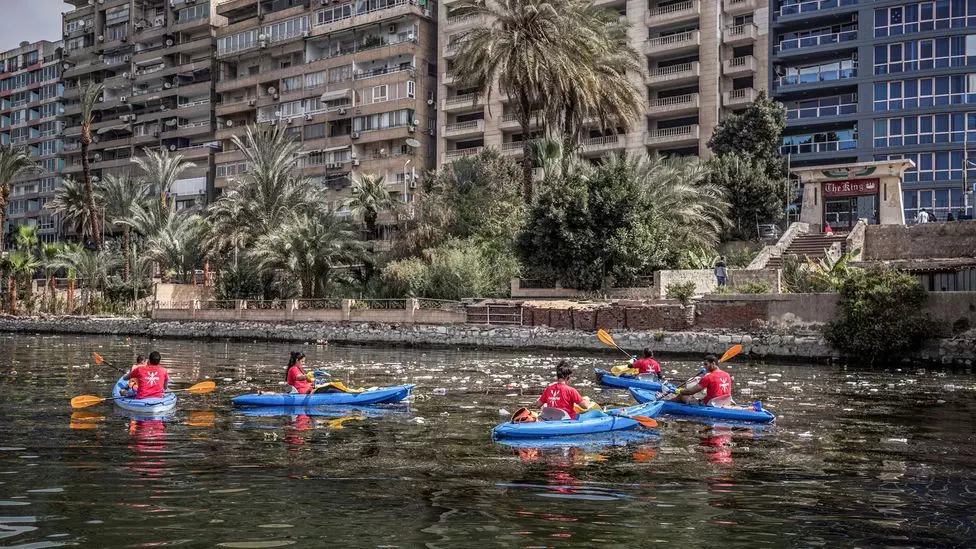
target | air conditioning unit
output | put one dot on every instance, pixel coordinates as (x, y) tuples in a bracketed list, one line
[(159, 21), (355, 135), (169, 42), (229, 123), (411, 129), (355, 161), (172, 147), (251, 102), (342, 111), (125, 58), (139, 25), (393, 29), (123, 99), (308, 118), (427, 13), (413, 184), (96, 157), (125, 75), (101, 37)]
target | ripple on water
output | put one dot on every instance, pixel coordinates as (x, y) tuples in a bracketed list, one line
[(256, 544)]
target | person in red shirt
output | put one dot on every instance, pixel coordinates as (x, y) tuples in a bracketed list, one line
[(560, 395), (296, 376), (151, 379), (716, 383), (647, 365)]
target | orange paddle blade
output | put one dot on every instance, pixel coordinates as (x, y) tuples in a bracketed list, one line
[(604, 337), (201, 419), (85, 401), (733, 350), (202, 388), (98, 359), (645, 421)]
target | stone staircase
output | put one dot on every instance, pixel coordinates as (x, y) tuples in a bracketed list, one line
[(809, 245)]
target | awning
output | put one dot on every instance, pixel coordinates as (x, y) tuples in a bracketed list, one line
[(100, 131), (339, 148), (335, 94)]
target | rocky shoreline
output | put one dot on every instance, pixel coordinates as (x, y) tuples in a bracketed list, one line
[(797, 342)]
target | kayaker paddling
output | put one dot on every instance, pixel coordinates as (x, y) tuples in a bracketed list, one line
[(647, 366), (560, 395), (151, 379), (716, 383), (297, 378), (140, 361)]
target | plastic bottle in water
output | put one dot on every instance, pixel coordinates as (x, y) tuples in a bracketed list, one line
[(440, 391)]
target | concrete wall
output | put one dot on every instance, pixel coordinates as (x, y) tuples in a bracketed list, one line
[(927, 241), (182, 293), (197, 311), (706, 283)]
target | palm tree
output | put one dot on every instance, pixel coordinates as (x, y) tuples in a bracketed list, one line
[(21, 266), (26, 239), (370, 196), (558, 61), (48, 255), (13, 162), (70, 204), (161, 171), (93, 268), (309, 247), (91, 93), (178, 244), (119, 195)]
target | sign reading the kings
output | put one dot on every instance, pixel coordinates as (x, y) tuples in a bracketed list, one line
[(851, 187)]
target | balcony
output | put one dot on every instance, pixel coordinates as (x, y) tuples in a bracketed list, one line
[(737, 35), (508, 121), (801, 45), (815, 77), (659, 16), (464, 21), (818, 147), (469, 128), (672, 43), (512, 148), (740, 7), (739, 66), (671, 137), (812, 7), (450, 156), (604, 144), (674, 74), (738, 98), (462, 103), (813, 114), (448, 78), (671, 106)]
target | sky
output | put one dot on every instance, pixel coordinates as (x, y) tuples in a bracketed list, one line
[(30, 20)]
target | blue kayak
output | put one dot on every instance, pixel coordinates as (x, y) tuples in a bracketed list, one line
[(383, 395), (585, 424), (625, 382), (323, 411), (143, 407), (709, 412), (596, 441)]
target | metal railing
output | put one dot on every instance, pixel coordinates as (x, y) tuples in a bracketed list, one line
[(380, 304), (271, 304), (813, 5), (333, 303), (440, 304), (671, 39), (218, 304), (675, 101), (458, 153), (818, 40), (672, 69), (671, 8), (493, 314)]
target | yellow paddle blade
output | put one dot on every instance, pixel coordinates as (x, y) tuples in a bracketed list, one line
[(98, 359), (202, 388), (201, 419), (733, 350), (645, 421), (85, 420), (604, 337), (85, 401), (337, 423)]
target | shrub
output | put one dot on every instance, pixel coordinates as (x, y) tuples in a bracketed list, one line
[(880, 316), (682, 291), (455, 270), (755, 287)]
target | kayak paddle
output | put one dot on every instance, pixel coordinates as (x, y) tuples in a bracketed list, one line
[(84, 401), (645, 421), (101, 361), (605, 338)]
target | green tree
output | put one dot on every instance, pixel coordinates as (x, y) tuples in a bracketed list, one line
[(92, 266), (755, 133), (598, 226), (119, 195), (309, 247), (91, 93), (370, 196), (880, 316), (753, 197), (559, 62), (455, 270), (13, 162), (71, 206), (177, 245)]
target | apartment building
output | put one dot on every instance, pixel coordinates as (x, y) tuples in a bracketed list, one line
[(30, 104), (876, 81), (704, 58), (352, 81), (155, 60)]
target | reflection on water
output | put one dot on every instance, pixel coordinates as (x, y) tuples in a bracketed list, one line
[(857, 458)]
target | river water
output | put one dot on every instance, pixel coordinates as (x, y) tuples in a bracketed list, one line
[(856, 458)]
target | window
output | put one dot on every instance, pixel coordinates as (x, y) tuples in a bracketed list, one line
[(829, 141), (315, 131), (916, 55), (232, 169), (824, 106), (116, 15), (923, 92), (286, 29), (237, 42), (116, 32), (340, 74), (924, 17), (393, 119), (411, 89), (379, 93), (77, 25), (335, 13), (925, 129), (292, 108), (291, 84), (192, 13)]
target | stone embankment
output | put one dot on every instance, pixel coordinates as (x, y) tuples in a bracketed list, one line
[(800, 342)]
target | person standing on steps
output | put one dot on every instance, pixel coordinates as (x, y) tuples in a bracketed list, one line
[(716, 383), (151, 379), (721, 272)]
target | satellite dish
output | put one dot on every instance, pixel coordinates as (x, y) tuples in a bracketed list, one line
[(413, 143)]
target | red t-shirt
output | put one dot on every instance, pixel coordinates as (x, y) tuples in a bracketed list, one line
[(562, 396), (647, 366), (152, 380), (297, 379), (717, 384)]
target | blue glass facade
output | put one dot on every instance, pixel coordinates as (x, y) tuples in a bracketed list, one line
[(881, 80)]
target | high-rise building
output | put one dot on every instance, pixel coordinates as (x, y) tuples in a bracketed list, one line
[(155, 60), (30, 104), (352, 81), (704, 58), (862, 81)]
